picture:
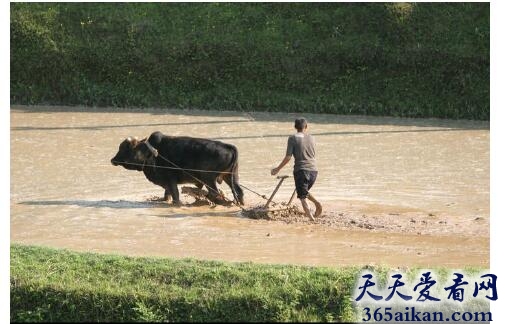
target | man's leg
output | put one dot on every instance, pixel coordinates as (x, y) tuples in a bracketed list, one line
[(301, 183), (312, 176), (306, 209), (319, 208)]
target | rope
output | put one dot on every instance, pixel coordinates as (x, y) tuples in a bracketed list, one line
[(156, 154), (173, 168), (262, 196), (217, 192), (196, 170), (232, 185)]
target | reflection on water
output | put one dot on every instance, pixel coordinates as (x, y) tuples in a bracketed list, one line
[(65, 192)]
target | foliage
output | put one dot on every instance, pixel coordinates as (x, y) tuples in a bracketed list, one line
[(398, 59)]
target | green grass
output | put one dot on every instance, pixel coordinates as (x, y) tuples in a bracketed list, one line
[(59, 285), (395, 59)]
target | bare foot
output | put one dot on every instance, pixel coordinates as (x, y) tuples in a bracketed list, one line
[(319, 209)]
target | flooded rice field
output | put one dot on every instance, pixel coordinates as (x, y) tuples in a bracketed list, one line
[(403, 192)]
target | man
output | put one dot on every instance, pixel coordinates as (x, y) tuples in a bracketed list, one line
[(302, 147)]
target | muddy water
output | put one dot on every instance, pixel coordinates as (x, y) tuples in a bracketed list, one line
[(65, 192)]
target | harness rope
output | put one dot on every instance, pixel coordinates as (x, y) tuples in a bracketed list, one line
[(203, 183), (176, 167), (194, 170), (156, 153)]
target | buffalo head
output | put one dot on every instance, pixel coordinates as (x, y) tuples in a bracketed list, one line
[(127, 155)]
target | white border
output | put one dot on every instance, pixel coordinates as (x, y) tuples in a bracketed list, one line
[(5, 166), (497, 160), (496, 153)]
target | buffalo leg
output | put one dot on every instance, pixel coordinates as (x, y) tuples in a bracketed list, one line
[(172, 186), (167, 195), (213, 195), (238, 194)]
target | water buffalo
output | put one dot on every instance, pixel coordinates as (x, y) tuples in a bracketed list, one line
[(171, 160)]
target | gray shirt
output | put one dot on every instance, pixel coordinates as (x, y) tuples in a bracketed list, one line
[(302, 147)]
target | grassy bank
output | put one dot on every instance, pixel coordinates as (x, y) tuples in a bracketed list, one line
[(55, 285), (58, 285), (397, 59)]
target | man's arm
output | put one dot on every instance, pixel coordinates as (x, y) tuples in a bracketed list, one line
[(281, 165)]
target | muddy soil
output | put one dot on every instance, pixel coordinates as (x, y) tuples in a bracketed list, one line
[(394, 191), (373, 217)]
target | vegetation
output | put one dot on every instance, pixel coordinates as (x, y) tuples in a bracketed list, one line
[(398, 59), (59, 285)]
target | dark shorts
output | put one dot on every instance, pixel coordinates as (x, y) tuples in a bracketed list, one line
[(303, 181)]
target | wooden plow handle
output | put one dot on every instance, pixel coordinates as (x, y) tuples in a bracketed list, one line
[(282, 178)]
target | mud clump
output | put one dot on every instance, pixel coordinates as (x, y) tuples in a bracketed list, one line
[(202, 197), (256, 213), (278, 212)]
